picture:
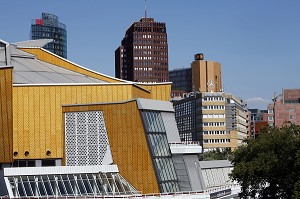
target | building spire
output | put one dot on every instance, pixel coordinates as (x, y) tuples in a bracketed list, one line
[(145, 9)]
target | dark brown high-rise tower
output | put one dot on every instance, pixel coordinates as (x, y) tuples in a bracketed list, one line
[(143, 54)]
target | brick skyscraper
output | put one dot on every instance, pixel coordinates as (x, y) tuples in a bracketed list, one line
[(143, 54)]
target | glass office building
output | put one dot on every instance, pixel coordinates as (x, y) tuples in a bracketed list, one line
[(49, 27)]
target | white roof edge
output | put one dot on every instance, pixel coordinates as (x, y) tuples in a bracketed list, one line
[(6, 66), (34, 43), (59, 170), (71, 84), (80, 65), (148, 84), (4, 42), (100, 103)]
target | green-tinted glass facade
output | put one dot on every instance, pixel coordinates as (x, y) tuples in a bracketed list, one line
[(50, 28), (160, 151)]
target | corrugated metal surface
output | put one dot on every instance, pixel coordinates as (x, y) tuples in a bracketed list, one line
[(19, 79), (28, 70), (59, 170), (154, 105), (33, 43), (215, 164), (14, 51), (183, 179), (194, 172), (171, 127)]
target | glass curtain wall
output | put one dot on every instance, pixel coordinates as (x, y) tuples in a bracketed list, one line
[(160, 151)]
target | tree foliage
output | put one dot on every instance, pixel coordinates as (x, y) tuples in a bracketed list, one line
[(269, 166), (216, 154)]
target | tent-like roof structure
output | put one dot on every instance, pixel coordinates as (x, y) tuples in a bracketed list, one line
[(30, 70)]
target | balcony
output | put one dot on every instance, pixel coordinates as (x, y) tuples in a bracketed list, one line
[(185, 148)]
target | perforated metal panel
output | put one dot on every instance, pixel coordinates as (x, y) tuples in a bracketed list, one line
[(86, 138)]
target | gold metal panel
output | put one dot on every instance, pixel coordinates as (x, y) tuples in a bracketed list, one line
[(38, 119), (6, 125), (159, 91), (128, 143)]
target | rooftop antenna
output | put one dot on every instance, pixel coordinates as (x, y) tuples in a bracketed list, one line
[(145, 9)]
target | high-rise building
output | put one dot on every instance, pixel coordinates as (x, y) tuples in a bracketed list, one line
[(49, 27), (286, 108), (143, 54), (202, 76)]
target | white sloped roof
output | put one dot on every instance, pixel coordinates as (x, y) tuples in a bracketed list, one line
[(29, 70), (39, 43)]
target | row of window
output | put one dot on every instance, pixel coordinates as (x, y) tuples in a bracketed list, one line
[(140, 47), (145, 69), (213, 99), (142, 58), (213, 107), (142, 63), (216, 140), (150, 42), (150, 36), (213, 123), (213, 116), (145, 52), (150, 58), (142, 28), (47, 29), (214, 132)]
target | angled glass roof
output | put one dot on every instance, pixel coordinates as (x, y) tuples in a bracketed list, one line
[(60, 183)]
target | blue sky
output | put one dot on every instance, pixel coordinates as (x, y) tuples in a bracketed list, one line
[(257, 42)]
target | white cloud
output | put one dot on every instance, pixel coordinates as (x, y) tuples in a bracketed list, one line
[(258, 102)]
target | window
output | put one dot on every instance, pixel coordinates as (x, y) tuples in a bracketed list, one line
[(270, 111)]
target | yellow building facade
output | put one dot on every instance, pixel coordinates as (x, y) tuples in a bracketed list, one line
[(32, 111)]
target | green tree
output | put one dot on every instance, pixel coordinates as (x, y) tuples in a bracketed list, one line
[(216, 154), (269, 166)]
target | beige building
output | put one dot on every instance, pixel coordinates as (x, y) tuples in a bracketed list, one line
[(202, 117), (202, 76), (206, 75), (213, 120), (237, 119)]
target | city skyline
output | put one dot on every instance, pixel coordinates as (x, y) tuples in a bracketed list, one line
[(256, 42)]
